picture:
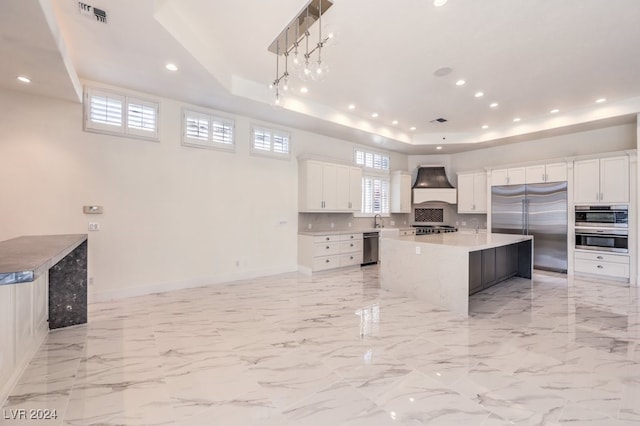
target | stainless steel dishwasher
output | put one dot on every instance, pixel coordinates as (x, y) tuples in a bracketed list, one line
[(370, 248)]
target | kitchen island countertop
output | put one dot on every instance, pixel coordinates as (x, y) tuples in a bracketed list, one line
[(467, 241)]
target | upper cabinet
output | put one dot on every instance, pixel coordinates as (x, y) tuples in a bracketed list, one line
[(400, 192), (554, 172), (512, 176), (472, 193), (604, 180), (329, 187)]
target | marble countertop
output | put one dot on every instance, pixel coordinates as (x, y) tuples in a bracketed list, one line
[(351, 231), (468, 241), (23, 259)]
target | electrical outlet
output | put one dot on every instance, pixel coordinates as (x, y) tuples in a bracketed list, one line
[(464, 223), (418, 251), (94, 226), (309, 225), (393, 222), (349, 224), (332, 225)]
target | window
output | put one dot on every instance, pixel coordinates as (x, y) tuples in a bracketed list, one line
[(375, 195), (375, 181), (108, 112), (372, 160), (270, 142), (202, 130)]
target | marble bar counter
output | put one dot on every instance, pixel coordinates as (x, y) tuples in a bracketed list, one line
[(444, 269), (43, 286)]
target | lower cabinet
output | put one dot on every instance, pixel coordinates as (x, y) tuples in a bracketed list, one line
[(23, 326), (602, 264), (491, 266), (322, 252)]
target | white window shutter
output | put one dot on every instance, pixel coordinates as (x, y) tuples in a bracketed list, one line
[(142, 118), (104, 111)]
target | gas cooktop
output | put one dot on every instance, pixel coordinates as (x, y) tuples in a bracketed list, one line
[(433, 229)]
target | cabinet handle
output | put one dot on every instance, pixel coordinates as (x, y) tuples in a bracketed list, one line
[(327, 247), (351, 244), (599, 257), (600, 266), (327, 238), (351, 237), (326, 261), (601, 197), (351, 257)]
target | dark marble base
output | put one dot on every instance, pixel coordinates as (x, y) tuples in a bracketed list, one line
[(68, 289)]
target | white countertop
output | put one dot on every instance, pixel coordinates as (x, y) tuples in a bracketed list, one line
[(468, 241), (351, 231)]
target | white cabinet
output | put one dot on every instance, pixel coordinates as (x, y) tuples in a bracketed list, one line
[(604, 180), (407, 233), (400, 192), (7, 331), (322, 252), (328, 187), (511, 176), (472, 193), (554, 172), (602, 264)]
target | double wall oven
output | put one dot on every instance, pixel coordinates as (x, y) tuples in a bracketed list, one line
[(602, 228)]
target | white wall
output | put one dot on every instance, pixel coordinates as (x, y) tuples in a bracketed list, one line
[(173, 216)]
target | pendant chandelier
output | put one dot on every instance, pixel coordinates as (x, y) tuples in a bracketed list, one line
[(307, 64)]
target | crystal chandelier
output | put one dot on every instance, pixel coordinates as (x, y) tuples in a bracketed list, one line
[(292, 39)]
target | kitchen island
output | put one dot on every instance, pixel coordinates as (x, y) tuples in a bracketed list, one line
[(444, 269)]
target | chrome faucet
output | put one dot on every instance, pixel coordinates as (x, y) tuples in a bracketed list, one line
[(476, 224), (375, 221)]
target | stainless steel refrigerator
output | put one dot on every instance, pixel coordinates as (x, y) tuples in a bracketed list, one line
[(537, 209)]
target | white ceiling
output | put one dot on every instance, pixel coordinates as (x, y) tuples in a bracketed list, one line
[(530, 56)]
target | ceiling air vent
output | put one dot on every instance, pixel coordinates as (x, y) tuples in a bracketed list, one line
[(92, 12), (439, 120)]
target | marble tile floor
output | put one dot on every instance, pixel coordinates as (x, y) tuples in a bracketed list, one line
[(334, 349)]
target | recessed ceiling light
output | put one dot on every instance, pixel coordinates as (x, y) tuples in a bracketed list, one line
[(394, 122), (374, 115), (438, 3), (494, 105), (438, 147), (352, 106), (517, 119), (304, 90), (24, 79), (479, 94), (601, 100), (554, 111), (460, 82), (412, 128), (486, 126), (171, 67)]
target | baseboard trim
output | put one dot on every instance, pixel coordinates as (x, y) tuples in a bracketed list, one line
[(103, 296)]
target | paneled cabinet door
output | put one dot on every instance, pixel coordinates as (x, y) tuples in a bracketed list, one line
[(472, 193), (535, 174), (465, 193), (586, 181), (400, 192), (311, 181), (614, 180), (7, 330), (330, 186), (499, 177), (355, 189), (342, 191), (556, 172)]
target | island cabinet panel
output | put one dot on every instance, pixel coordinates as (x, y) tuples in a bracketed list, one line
[(475, 271), (492, 266), (488, 267)]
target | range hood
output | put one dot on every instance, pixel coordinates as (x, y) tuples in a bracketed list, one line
[(432, 185)]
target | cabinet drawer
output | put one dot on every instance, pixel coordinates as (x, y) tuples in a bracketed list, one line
[(326, 262), (351, 237), (406, 232), (350, 259), (617, 270), (601, 257), (351, 246), (326, 249), (326, 238)]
